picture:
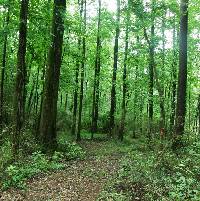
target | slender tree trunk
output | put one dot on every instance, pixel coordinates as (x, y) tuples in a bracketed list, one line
[(37, 122), (19, 105), (78, 137), (66, 101), (198, 110), (30, 99), (61, 100), (123, 117), (75, 104), (189, 106), (36, 91), (95, 104), (151, 76), (113, 89), (174, 79), (159, 84), (182, 77), (51, 85), (151, 80), (162, 103), (4, 67)]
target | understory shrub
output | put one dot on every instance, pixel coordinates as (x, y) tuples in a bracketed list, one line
[(16, 174), (157, 175)]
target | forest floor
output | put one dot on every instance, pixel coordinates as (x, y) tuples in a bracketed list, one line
[(108, 170), (80, 179)]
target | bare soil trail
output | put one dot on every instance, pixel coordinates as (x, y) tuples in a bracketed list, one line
[(80, 180)]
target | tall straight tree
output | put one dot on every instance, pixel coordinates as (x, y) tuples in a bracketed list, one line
[(95, 104), (83, 3), (182, 76), (121, 133), (198, 112), (52, 75), (114, 76), (7, 19), (75, 104), (19, 101), (151, 76), (174, 78)]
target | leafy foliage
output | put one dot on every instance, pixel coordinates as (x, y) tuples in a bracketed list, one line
[(17, 173), (155, 175)]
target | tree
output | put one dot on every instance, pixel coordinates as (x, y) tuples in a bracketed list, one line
[(95, 104), (82, 72), (114, 76), (50, 94), (151, 43), (4, 65), (198, 112), (182, 76), (174, 78), (123, 115), (20, 83), (75, 104)]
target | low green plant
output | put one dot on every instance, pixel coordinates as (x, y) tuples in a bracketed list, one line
[(71, 150), (158, 175), (16, 174)]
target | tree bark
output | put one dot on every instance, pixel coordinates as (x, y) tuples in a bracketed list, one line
[(75, 104), (4, 67), (78, 137), (151, 44), (19, 104), (174, 79), (182, 76), (198, 110), (95, 104), (113, 89), (123, 115), (151, 80), (51, 85)]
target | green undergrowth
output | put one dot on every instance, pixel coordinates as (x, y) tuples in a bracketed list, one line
[(16, 174), (156, 174), (111, 147)]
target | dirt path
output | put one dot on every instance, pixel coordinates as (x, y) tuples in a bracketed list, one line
[(79, 181)]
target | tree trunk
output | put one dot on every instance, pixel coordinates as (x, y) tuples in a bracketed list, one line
[(113, 90), (95, 104), (151, 82), (66, 101), (174, 80), (123, 117), (37, 122), (30, 99), (162, 103), (198, 109), (51, 85), (182, 77), (151, 44), (73, 131), (19, 104), (78, 137), (4, 67)]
